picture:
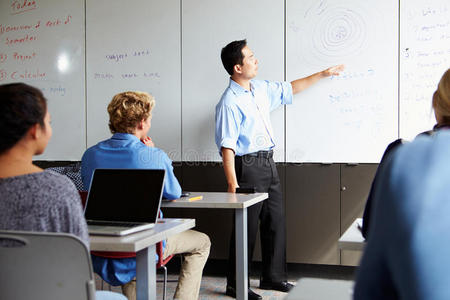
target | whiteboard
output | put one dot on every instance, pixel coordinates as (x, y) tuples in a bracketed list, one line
[(207, 26), (350, 118), (85, 51), (135, 46), (42, 44), (424, 57)]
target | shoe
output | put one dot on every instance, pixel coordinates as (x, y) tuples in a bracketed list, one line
[(283, 286), (231, 291)]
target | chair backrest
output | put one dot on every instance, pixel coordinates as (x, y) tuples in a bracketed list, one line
[(161, 261), (73, 171), (47, 266)]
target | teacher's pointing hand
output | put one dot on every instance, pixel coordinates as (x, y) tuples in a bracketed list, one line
[(332, 71)]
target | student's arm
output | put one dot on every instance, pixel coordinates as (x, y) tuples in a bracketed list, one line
[(301, 84), (228, 167), (172, 188)]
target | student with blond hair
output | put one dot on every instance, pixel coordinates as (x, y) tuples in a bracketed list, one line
[(407, 251), (130, 115)]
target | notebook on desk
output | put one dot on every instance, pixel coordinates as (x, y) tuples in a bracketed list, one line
[(123, 201)]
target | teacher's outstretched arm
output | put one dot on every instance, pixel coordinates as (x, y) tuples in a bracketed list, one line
[(301, 84)]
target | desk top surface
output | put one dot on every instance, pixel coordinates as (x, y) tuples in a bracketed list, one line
[(321, 289), (217, 200), (352, 238), (142, 239)]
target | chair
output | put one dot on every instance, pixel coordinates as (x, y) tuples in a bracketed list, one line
[(45, 266), (161, 264), (73, 171)]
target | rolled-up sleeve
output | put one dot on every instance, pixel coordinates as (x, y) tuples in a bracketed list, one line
[(228, 122), (279, 93)]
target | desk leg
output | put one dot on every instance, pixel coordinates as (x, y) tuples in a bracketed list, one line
[(146, 274), (241, 255)]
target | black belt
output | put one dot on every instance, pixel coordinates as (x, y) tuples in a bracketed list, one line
[(262, 154)]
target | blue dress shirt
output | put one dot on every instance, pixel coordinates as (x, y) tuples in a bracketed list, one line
[(243, 116), (125, 151), (408, 246)]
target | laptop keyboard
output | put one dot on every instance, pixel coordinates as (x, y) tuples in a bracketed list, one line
[(119, 224)]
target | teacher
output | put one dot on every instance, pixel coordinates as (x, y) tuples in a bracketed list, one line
[(244, 137)]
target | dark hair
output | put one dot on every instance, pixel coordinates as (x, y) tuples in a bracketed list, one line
[(21, 107), (231, 55)]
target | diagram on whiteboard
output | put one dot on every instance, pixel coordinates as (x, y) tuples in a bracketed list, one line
[(358, 109), (328, 30)]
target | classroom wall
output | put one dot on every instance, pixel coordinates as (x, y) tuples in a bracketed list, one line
[(171, 49), (82, 52)]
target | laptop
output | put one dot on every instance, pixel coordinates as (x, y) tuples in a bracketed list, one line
[(123, 201)]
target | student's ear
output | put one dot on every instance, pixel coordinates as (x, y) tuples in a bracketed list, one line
[(34, 131), (141, 124)]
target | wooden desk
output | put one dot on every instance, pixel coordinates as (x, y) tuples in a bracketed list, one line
[(352, 238), (240, 203), (143, 243), (321, 289)]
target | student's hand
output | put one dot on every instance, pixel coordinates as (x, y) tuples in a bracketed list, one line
[(148, 141), (333, 71)]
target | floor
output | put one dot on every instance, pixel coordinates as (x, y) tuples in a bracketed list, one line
[(214, 282)]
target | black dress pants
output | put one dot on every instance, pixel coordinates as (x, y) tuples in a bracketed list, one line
[(258, 170)]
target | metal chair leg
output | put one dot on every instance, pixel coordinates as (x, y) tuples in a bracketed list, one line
[(109, 286), (165, 282)]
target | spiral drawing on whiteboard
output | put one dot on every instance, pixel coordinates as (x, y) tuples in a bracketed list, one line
[(334, 31), (340, 32)]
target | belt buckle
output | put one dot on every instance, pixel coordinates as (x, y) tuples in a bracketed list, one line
[(265, 154)]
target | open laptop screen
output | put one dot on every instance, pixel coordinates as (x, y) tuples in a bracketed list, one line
[(125, 195)]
